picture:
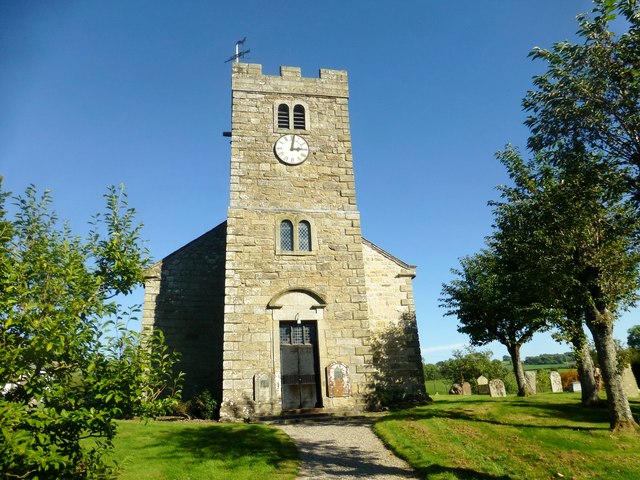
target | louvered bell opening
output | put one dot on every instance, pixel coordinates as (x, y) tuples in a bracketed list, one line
[(298, 117), (283, 116)]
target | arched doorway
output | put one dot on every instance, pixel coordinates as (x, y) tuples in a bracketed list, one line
[(296, 314)]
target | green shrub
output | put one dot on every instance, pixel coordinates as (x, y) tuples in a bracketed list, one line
[(70, 364), (510, 383), (543, 382), (203, 406), (567, 378)]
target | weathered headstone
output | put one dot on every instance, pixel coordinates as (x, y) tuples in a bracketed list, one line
[(456, 389), (530, 381), (556, 382), (338, 382), (575, 387), (496, 388), (466, 388), (262, 387), (629, 383), (483, 385)]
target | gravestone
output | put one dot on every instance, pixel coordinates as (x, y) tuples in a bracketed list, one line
[(496, 388), (575, 387), (629, 383), (556, 382), (483, 385), (530, 381), (262, 387), (466, 388), (338, 382), (456, 389)]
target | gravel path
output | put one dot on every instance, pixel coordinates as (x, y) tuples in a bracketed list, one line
[(344, 450)]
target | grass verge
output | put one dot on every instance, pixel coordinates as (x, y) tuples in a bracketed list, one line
[(203, 450), (544, 436)]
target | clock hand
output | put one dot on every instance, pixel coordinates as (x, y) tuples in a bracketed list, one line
[(293, 137)]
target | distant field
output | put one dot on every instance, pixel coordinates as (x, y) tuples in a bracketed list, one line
[(555, 366), (437, 386)]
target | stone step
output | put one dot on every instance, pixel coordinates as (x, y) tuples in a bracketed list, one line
[(317, 415)]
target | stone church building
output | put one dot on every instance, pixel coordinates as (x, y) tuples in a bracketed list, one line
[(285, 306)]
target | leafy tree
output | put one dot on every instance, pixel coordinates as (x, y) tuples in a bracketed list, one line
[(633, 342), (633, 337), (571, 330), (590, 93), (584, 233), (431, 371), (492, 303), (587, 106), (68, 364), (549, 359), (468, 364)]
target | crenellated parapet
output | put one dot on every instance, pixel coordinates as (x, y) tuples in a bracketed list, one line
[(248, 77)]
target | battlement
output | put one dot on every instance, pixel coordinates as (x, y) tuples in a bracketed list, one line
[(248, 77)]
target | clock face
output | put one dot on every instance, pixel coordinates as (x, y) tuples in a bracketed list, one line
[(292, 149)]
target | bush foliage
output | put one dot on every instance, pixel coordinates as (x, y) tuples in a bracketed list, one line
[(68, 364)]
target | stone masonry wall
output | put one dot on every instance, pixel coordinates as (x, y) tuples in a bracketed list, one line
[(396, 347), (263, 191), (184, 297)]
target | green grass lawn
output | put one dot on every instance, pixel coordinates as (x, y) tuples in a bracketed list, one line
[(544, 436), (203, 450), (440, 387)]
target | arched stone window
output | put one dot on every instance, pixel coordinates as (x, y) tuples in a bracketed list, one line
[(289, 116), (286, 236), (299, 120), (304, 236), (295, 235), (283, 115)]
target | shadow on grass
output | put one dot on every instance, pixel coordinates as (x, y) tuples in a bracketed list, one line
[(502, 412), (460, 473), (228, 442)]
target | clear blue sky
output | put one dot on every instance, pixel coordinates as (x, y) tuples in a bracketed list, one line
[(94, 93)]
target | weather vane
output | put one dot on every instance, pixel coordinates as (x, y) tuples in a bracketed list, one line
[(239, 53)]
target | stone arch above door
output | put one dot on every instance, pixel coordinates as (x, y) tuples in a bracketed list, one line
[(297, 304)]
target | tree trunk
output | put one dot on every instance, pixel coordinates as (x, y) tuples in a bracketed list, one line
[(514, 352), (600, 323), (586, 370)]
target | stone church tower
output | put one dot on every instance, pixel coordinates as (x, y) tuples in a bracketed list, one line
[(285, 306)]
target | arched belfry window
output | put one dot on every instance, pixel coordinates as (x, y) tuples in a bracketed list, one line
[(290, 116), (286, 236), (304, 236), (299, 122), (283, 115)]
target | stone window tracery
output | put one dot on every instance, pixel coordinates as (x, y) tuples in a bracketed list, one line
[(295, 236), (304, 236), (286, 236)]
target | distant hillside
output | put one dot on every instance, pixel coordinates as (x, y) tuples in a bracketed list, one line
[(550, 358), (546, 359)]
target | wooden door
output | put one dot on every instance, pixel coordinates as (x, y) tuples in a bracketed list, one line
[(299, 365)]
